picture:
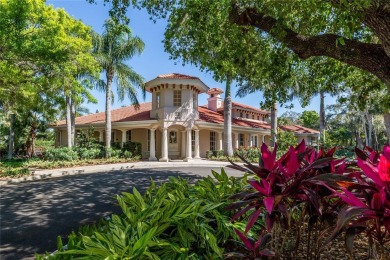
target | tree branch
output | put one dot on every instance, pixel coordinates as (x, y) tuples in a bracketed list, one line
[(366, 56)]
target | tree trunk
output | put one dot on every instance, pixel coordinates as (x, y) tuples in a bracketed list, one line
[(109, 77), (322, 115), (228, 144), (370, 127), (364, 127), (274, 123), (386, 117), (73, 122), (11, 136), (68, 121)]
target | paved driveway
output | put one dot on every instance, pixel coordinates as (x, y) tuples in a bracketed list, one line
[(33, 214)]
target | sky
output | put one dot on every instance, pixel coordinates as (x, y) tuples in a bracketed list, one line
[(154, 60)]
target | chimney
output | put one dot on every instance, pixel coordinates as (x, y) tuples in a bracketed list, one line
[(215, 101)]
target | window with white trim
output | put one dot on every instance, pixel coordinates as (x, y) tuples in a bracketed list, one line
[(158, 100), (177, 98), (212, 141), (128, 136), (241, 139)]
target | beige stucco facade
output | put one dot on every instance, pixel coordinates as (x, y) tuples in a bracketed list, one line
[(177, 128)]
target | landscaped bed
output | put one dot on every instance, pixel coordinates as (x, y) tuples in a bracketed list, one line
[(65, 157), (306, 205)]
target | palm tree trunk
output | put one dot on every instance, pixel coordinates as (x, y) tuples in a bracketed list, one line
[(73, 122), (322, 115), (386, 117), (370, 127), (228, 147), (109, 77), (274, 123), (68, 121), (364, 127), (11, 136)]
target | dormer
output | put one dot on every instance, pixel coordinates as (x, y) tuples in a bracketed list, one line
[(175, 96), (215, 101)]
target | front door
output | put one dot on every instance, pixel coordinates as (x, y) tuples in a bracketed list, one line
[(173, 145)]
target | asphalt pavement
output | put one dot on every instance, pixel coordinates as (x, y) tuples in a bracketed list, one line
[(33, 214)]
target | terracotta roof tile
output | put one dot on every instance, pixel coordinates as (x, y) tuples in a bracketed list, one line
[(176, 76), (210, 116), (215, 90), (239, 105), (122, 114), (299, 129)]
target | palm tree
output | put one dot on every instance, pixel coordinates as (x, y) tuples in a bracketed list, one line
[(112, 49), (227, 110)]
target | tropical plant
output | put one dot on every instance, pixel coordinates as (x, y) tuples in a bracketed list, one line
[(174, 221), (367, 199), (115, 46), (277, 186)]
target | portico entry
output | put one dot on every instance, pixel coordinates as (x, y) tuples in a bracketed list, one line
[(179, 142)]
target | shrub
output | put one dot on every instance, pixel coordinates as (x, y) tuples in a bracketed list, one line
[(174, 221), (209, 154), (249, 153), (127, 154), (134, 147), (91, 153), (60, 154), (218, 153), (277, 187)]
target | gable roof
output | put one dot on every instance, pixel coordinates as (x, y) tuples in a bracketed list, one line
[(299, 129), (210, 116), (122, 114)]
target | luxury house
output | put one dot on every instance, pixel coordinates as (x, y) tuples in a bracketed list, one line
[(174, 126)]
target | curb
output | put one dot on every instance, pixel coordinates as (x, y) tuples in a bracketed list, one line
[(57, 173)]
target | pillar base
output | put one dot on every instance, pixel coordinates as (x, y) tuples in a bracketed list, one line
[(188, 159), (152, 159), (197, 157), (163, 160)]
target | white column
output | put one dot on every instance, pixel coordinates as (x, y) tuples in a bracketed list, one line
[(219, 141), (123, 137), (183, 144), (236, 141), (100, 135), (250, 140), (188, 145), (263, 139), (164, 146), (152, 152), (197, 156)]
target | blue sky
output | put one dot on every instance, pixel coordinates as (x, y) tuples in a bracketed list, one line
[(154, 60)]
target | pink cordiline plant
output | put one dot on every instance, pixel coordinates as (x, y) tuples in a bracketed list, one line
[(279, 186), (367, 201)]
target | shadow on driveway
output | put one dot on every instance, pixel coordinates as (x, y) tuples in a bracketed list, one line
[(33, 214)]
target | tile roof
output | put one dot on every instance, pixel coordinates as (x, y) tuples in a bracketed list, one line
[(215, 90), (210, 116), (122, 114), (239, 105), (176, 76), (129, 113), (299, 129)]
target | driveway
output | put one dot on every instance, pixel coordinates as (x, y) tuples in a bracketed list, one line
[(34, 213)]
